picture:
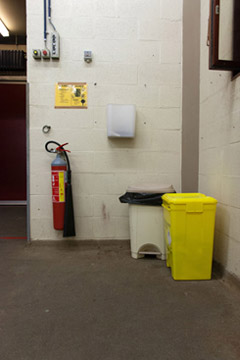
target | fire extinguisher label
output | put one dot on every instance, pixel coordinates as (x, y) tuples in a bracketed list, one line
[(58, 186)]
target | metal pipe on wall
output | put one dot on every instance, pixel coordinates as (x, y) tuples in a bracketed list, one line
[(45, 21), (50, 15)]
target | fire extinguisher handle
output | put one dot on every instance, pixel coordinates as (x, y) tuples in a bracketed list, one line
[(59, 148)]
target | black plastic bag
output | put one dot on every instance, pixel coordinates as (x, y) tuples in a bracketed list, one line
[(142, 198)]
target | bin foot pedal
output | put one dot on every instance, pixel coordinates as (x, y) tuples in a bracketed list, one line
[(158, 254), (149, 253), (141, 254), (136, 255)]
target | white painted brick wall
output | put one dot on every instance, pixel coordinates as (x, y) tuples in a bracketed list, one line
[(137, 51), (219, 172)]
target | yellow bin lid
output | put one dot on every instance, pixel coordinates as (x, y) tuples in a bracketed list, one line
[(187, 198)]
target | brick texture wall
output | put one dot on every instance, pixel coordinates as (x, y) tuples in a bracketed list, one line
[(137, 55), (219, 173)]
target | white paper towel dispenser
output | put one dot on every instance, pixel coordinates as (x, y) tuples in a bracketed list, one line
[(121, 120)]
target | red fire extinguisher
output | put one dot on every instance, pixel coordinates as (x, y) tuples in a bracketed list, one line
[(58, 168), (63, 212)]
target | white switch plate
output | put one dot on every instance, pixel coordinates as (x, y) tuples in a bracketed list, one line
[(55, 45)]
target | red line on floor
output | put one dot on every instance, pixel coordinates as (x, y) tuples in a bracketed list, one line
[(13, 237)]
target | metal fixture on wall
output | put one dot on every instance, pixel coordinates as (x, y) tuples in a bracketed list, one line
[(88, 56), (45, 26), (46, 129), (46, 53), (55, 38)]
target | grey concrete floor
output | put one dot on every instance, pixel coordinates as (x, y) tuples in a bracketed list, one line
[(13, 221), (93, 302)]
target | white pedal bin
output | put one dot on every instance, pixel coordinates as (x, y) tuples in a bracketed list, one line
[(146, 223)]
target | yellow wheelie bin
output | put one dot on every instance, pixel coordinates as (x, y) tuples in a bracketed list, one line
[(189, 220)]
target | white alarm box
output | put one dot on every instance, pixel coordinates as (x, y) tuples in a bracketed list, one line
[(121, 120)]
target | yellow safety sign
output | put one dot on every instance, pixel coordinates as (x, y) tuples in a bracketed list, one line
[(71, 95)]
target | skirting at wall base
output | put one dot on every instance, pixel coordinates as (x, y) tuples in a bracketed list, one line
[(85, 244)]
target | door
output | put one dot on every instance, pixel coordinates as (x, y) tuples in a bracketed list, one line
[(13, 142)]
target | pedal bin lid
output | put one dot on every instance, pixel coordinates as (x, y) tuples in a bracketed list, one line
[(151, 188)]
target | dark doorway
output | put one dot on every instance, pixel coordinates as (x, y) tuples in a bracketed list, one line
[(13, 124), (13, 162), (13, 143)]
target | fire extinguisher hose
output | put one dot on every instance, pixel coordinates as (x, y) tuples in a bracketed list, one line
[(69, 224), (60, 148)]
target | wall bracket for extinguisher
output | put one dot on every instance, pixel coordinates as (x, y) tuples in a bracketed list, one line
[(69, 224)]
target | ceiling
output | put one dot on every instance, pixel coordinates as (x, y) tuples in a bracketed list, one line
[(13, 14)]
